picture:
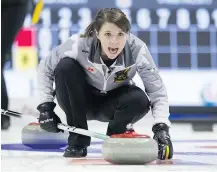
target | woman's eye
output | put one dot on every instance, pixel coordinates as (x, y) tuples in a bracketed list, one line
[(121, 34), (107, 34)]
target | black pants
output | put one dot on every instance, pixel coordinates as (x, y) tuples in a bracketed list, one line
[(82, 102), (12, 17)]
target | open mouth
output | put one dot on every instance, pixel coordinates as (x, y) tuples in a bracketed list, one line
[(113, 50)]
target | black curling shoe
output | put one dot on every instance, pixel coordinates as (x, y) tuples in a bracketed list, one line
[(75, 152), (5, 122)]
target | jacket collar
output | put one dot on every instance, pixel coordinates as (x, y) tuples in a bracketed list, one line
[(125, 59)]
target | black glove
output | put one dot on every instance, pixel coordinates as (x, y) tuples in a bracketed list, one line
[(48, 119), (161, 135)]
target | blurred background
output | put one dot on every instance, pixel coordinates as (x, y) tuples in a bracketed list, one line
[(180, 34)]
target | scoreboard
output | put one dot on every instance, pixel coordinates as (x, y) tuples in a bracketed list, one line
[(180, 34)]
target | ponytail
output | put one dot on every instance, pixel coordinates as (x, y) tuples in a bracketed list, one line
[(89, 31)]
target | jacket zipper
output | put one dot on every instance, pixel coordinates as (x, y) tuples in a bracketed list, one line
[(105, 82)]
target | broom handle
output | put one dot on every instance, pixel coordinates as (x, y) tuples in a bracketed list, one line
[(82, 131), (62, 126)]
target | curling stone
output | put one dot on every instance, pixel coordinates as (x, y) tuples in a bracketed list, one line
[(127, 148), (130, 148), (35, 137)]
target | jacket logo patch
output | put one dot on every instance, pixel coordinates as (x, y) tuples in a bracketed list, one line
[(91, 69), (121, 75)]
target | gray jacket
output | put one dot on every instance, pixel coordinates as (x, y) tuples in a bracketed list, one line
[(135, 58)]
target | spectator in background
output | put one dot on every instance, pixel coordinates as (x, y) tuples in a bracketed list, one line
[(13, 13)]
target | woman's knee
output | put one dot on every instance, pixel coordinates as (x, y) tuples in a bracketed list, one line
[(142, 100), (65, 65), (138, 100)]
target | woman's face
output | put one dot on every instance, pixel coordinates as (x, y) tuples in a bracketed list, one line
[(113, 40)]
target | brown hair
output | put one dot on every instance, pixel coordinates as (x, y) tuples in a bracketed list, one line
[(110, 15)]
